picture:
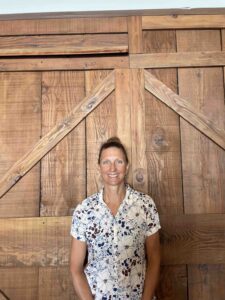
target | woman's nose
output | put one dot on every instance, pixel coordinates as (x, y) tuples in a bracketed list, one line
[(112, 166)]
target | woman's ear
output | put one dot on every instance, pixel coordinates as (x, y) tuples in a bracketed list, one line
[(127, 169)]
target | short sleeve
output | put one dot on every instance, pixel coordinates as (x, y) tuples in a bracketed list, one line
[(152, 218), (78, 226)]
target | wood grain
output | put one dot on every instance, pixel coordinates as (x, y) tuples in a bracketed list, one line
[(203, 161), (100, 125), (63, 170), (184, 109), (65, 63), (37, 26), (180, 59), (20, 127), (63, 44), (135, 34), (183, 21), (57, 133)]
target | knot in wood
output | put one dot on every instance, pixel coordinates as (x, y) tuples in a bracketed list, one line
[(139, 175), (90, 105)]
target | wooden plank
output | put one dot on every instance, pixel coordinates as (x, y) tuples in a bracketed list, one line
[(63, 169), (123, 96), (206, 282), (100, 125), (55, 284), (63, 44), (185, 109), (20, 127), (183, 21), (162, 133), (135, 34), (203, 161), (193, 239), (19, 283), (180, 59), (57, 133), (41, 241), (173, 283), (65, 63), (139, 161), (63, 26)]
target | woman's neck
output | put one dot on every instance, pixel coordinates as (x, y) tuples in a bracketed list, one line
[(114, 194)]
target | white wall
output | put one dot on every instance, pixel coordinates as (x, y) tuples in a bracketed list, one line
[(36, 6)]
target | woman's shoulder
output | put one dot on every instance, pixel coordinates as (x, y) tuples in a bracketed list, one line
[(88, 203), (141, 197)]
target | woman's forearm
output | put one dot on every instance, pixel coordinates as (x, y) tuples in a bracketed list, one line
[(81, 286), (151, 281)]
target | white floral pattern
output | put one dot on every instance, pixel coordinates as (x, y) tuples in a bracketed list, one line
[(116, 255)]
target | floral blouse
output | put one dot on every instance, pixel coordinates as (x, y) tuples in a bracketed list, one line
[(116, 252)]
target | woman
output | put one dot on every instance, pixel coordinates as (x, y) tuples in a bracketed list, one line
[(118, 228)]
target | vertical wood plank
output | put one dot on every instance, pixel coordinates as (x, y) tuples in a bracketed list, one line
[(123, 99), (206, 282), (135, 34), (55, 284), (19, 283), (20, 126), (100, 125), (63, 169), (203, 161), (139, 161)]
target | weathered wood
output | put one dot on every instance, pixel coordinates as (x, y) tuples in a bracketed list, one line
[(20, 127), (63, 44), (18, 170), (123, 96), (63, 26), (19, 283), (193, 239), (206, 282), (100, 125), (63, 169), (184, 109), (135, 34), (183, 21), (180, 59), (65, 63), (203, 161), (163, 133), (55, 284), (41, 241), (139, 161)]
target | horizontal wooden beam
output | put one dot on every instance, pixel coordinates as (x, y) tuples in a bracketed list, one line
[(184, 109), (180, 59), (57, 133), (63, 44), (45, 241), (193, 239), (64, 63), (183, 21)]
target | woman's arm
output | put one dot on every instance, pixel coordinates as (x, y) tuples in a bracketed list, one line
[(152, 245), (80, 283)]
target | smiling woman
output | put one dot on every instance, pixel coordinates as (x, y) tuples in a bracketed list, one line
[(118, 227)]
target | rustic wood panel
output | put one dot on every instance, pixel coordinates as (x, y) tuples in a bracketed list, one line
[(162, 134), (57, 133), (173, 283), (206, 282), (63, 44), (55, 284), (19, 129), (65, 63), (41, 241), (100, 125), (183, 21), (63, 26), (193, 239), (203, 161), (63, 170), (135, 34), (19, 283), (186, 110), (180, 59)]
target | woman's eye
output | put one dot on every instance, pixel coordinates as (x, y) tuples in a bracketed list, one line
[(120, 161), (105, 162)]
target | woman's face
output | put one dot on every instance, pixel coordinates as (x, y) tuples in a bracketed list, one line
[(113, 166)]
